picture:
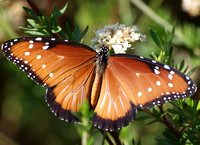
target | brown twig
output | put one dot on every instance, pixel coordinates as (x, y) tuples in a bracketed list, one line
[(165, 122), (34, 7), (39, 13), (106, 137), (115, 137), (171, 128)]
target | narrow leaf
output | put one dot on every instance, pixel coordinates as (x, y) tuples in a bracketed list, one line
[(185, 70), (35, 33), (191, 71), (77, 33), (69, 33), (155, 38), (175, 111), (198, 106), (181, 65), (56, 29), (31, 13), (151, 122), (172, 36), (84, 32)]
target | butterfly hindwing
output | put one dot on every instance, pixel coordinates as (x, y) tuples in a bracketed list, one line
[(114, 108)]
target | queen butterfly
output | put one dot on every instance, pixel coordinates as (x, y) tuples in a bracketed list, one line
[(115, 85)]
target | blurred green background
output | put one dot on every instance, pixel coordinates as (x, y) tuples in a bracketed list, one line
[(25, 117)]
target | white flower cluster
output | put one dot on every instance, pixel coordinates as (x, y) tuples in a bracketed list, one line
[(118, 37)]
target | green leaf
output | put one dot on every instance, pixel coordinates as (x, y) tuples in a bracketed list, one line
[(35, 33), (172, 36), (69, 33), (175, 111), (151, 122), (185, 70), (175, 105), (190, 102), (62, 11), (155, 38), (27, 29), (56, 13), (56, 29), (84, 32), (33, 23), (198, 106), (31, 13), (191, 71), (77, 33), (182, 65), (165, 113)]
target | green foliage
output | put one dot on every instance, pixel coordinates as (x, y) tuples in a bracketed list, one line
[(43, 26), (181, 119), (76, 35), (85, 126)]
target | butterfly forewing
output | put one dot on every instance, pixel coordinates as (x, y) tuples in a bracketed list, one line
[(148, 82), (65, 68)]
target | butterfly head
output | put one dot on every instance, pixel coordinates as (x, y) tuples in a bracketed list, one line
[(103, 57)]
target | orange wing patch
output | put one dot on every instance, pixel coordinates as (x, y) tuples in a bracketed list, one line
[(147, 86), (114, 108)]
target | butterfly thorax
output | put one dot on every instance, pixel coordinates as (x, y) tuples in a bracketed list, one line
[(101, 63)]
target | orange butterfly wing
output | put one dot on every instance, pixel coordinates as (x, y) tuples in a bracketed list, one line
[(65, 68), (131, 82)]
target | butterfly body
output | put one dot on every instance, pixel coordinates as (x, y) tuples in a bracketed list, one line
[(115, 85), (101, 63)]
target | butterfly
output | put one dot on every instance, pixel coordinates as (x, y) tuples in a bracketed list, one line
[(114, 85)]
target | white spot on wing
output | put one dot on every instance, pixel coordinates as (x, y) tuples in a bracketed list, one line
[(38, 39), (31, 41), (27, 53), (153, 61), (137, 74), (172, 72), (51, 75), (149, 89), (31, 46), (158, 83), (170, 76), (166, 66), (139, 94), (156, 71), (187, 77), (45, 47), (170, 85), (39, 57), (43, 66)]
